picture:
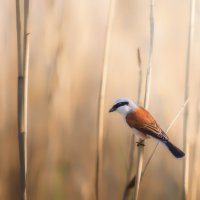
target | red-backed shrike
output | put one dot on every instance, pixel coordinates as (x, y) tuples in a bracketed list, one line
[(143, 123)]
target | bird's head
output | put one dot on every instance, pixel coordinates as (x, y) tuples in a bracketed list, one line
[(124, 106)]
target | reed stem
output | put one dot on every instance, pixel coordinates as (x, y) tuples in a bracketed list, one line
[(101, 108), (23, 61), (186, 95), (132, 137), (196, 159), (146, 100)]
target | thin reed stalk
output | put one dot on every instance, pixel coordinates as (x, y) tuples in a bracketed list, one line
[(19, 39), (196, 159), (140, 76), (132, 182), (146, 100), (23, 60), (101, 107), (138, 170), (186, 95), (26, 78), (132, 140), (149, 69)]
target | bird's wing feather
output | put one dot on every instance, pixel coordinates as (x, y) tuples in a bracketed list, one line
[(143, 121)]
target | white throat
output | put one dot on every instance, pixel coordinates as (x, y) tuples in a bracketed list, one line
[(124, 110)]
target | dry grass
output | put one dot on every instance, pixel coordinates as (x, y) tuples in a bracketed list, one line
[(66, 53), (132, 137), (186, 139), (146, 102), (195, 160), (23, 64), (101, 109)]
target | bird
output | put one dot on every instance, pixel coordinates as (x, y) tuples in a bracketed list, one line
[(143, 124)]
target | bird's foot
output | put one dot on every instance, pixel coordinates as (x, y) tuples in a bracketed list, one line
[(140, 143)]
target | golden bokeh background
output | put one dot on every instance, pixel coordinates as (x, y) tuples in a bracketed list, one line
[(67, 39)]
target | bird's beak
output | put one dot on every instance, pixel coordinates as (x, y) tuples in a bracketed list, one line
[(112, 109)]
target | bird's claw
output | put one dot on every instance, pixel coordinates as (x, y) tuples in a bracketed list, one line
[(140, 143)]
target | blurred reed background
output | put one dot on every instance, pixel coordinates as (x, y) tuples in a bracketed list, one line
[(67, 41)]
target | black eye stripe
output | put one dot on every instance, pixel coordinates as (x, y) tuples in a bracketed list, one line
[(120, 104)]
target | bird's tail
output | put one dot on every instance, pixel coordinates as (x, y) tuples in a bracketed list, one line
[(174, 150)]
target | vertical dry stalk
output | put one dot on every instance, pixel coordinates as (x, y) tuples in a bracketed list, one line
[(140, 76), (146, 100), (196, 156), (99, 161), (138, 170), (26, 78), (186, 95), (23, 58), (19, 41), (20, 101), (132, 143), (148, 79)]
